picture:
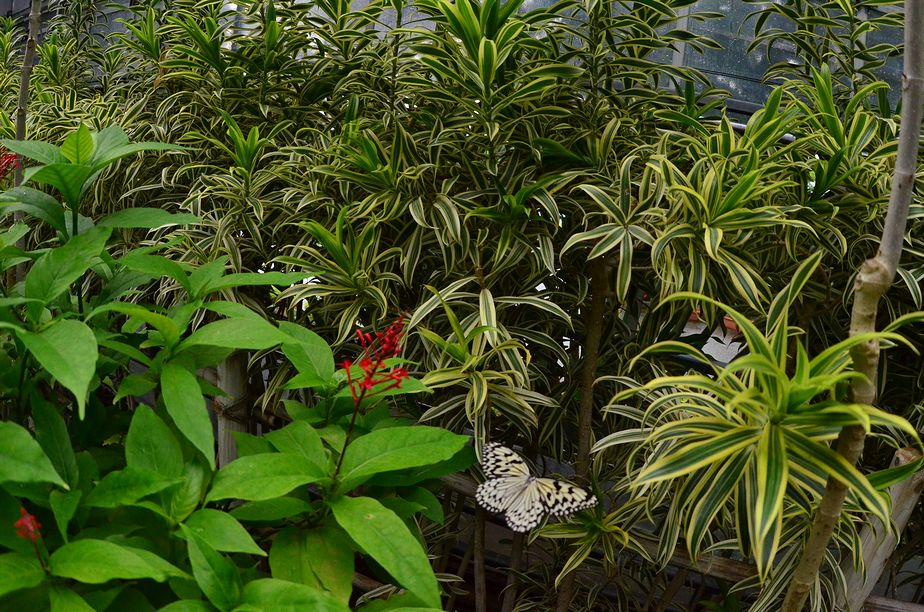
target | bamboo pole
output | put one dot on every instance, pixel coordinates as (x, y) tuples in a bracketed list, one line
[(873, 280)]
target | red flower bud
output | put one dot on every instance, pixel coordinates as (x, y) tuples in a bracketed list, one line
[(27, 527)]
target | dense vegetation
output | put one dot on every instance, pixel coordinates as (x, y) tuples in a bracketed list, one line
[(241, 191)]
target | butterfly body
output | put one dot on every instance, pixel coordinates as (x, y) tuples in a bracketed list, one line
[(523, 498)]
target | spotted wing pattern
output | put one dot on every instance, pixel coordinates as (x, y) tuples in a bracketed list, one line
[(524, 499)]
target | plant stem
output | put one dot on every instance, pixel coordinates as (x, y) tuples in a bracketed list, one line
[(593, 330), (25, 78), (873, 280)]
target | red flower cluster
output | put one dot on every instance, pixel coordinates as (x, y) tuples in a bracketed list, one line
[(376, 349), (27, 527), (8, 161)]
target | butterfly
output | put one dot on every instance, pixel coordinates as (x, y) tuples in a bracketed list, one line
[(525, 499)]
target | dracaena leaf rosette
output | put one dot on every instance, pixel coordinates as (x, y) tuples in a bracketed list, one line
[(753, 437)]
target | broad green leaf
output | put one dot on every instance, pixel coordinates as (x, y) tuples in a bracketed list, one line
[(67, 178), (51, 433), (166, 326), (99, 561), (147, 218), (262, 477), (271, 594), (22, 458), (321, 557), (253, 279), (396, 448), (300, 438), (222, 532), (42, 152), (78, 146), (186, 406), (309, 353), (64, 506), (65, 600), (236, 334), (150, 445), (127, 486), (58, 269), (19, 571), (217, 576), (68, 350), (384, 537), (35, 203)]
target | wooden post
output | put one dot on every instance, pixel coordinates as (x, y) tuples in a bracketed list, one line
[(878, 545)]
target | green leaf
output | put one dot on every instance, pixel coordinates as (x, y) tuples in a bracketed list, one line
[(693, 456), (253, 279), (300, 438), (56, 270), (150, 445), (22, 459), (78, 147), (281, 595), (260, 477), (397, 448), (134, 385), (310, 354), (35, 203), (99, 561), (217, 576), (236, 334), (126, 487), (166, 326), (384, 537), (186, 406), (67, 178), (51, 433), (321, 557), (68, 350), (147, 218), (42, 152), (222, 532), (64, 506), (19, 571), (66, 600)]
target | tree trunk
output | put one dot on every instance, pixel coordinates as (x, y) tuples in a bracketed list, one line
[(874, 278), (232, 411), (593, 330), (25, 79)]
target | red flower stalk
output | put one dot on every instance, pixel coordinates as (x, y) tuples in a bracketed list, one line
[(376, 350), (27, 527), (8, 161)]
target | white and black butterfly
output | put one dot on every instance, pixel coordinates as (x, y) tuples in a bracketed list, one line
[(525, 499)]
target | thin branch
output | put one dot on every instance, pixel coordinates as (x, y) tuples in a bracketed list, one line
[(873, 280)]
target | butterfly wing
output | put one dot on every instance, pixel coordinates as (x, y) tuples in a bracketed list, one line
[(498, 461), (562, 498), (517, 497)]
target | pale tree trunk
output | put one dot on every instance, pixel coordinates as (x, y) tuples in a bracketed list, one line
[(873, 279), (25, 79), (232, 411)]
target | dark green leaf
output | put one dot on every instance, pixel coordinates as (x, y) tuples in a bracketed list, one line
[(19, 571), (127, 487), (147, 218), (150, 445), (321, 557), (56, 270), (186, 406)]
